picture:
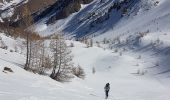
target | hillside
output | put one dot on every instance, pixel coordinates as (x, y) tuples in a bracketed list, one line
[(123, 42), (140, 26), (111, 17), (120, 71)]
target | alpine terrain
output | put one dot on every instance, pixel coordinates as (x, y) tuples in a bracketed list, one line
[(84, 49)]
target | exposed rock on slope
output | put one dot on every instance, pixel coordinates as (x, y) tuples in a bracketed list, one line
[(61, 9)]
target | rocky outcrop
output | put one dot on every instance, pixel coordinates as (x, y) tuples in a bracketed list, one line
[(61, 9), (56, 9), (7, 69), (33, 5)]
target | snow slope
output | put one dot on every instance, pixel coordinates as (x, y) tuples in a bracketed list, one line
[(120, 71), (144, 17), (154, 20), (100, 18), (139, 70)]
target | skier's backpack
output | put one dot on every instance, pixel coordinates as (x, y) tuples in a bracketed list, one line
[(107, 87)]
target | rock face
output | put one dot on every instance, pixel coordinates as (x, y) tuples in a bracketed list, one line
[(7, 69), (86, 1), (34, 5), (14, 8), (61, 9), (39, 9)]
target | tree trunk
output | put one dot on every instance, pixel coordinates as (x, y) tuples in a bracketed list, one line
[(59, 66), (30, 51), (53, 73), (27, 55)]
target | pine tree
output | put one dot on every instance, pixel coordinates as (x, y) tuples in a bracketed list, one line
[(40, 62), (26, 22), (62, 59)]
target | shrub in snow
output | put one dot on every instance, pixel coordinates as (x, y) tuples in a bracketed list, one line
[(139, 57), (142, 34), (116, 50), (79, 72), (93, 70), (124, 49), (110, 47), (120, 53), (11, 51), (143, 72), (72, 44), (98, 44), (165, 33), (42, 68), (91, 42), (3, 45), (138, 71), (137, 64), (104, 41), (124, 11), (156, 3), (157, 64), (157, 43), (16, 49), (87, 46), (118, 40), (110, 67)]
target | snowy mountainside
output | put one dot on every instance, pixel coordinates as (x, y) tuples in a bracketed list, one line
[(60, 10), (147, 34), (120, 71), (99, 17), (154, 20), (141, 26), (131, 51)]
